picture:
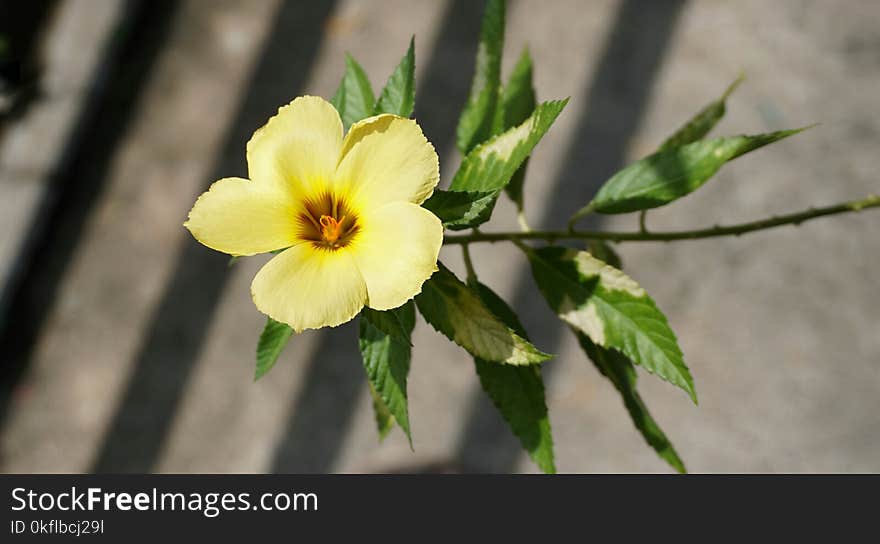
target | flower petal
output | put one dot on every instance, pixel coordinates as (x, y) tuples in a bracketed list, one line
[(298, 148), (240, 217), (309, 288), (396, 251), (386, 158)]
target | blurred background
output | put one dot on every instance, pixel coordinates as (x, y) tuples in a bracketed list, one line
[(126, 346)]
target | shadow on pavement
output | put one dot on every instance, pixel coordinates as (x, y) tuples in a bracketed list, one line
[(177, 332), (75, 184)]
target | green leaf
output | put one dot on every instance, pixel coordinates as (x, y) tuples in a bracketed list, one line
[(459, 209), (518, 391), (669, 175), (399, 95), (384, 418), (274, 337), (386, 361), (519, 93), (620, 371), (389, 322), (354, 98), (498, 119), (338, 98), (476, 122), (603, 251), (491, 164), (489, 167), (456, 311), (611, 309), (702, 122), (518, 103)]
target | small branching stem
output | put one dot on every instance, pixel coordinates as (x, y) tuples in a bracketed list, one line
[(872, 201), (523, 222)]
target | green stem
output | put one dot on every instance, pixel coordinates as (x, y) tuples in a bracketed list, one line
[(468, 263), (872, 201)]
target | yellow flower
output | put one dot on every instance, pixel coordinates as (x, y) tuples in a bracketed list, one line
[(347, 210)]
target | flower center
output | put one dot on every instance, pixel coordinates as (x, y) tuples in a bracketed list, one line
[(331, 229), (328, 222)]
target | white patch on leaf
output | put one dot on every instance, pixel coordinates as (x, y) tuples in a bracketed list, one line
[(502, 146), (585, 318), (610, 278)]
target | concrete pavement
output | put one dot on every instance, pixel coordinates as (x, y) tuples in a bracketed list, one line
[(144, 358)]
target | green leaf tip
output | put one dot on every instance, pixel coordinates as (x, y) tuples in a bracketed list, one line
[(703, 122), (384, 417), (386, 357), (618, 369), (399, 94), (733, 86), (272, 341), (454, 309)]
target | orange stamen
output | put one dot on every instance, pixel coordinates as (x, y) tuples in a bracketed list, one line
[(331, 229)]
